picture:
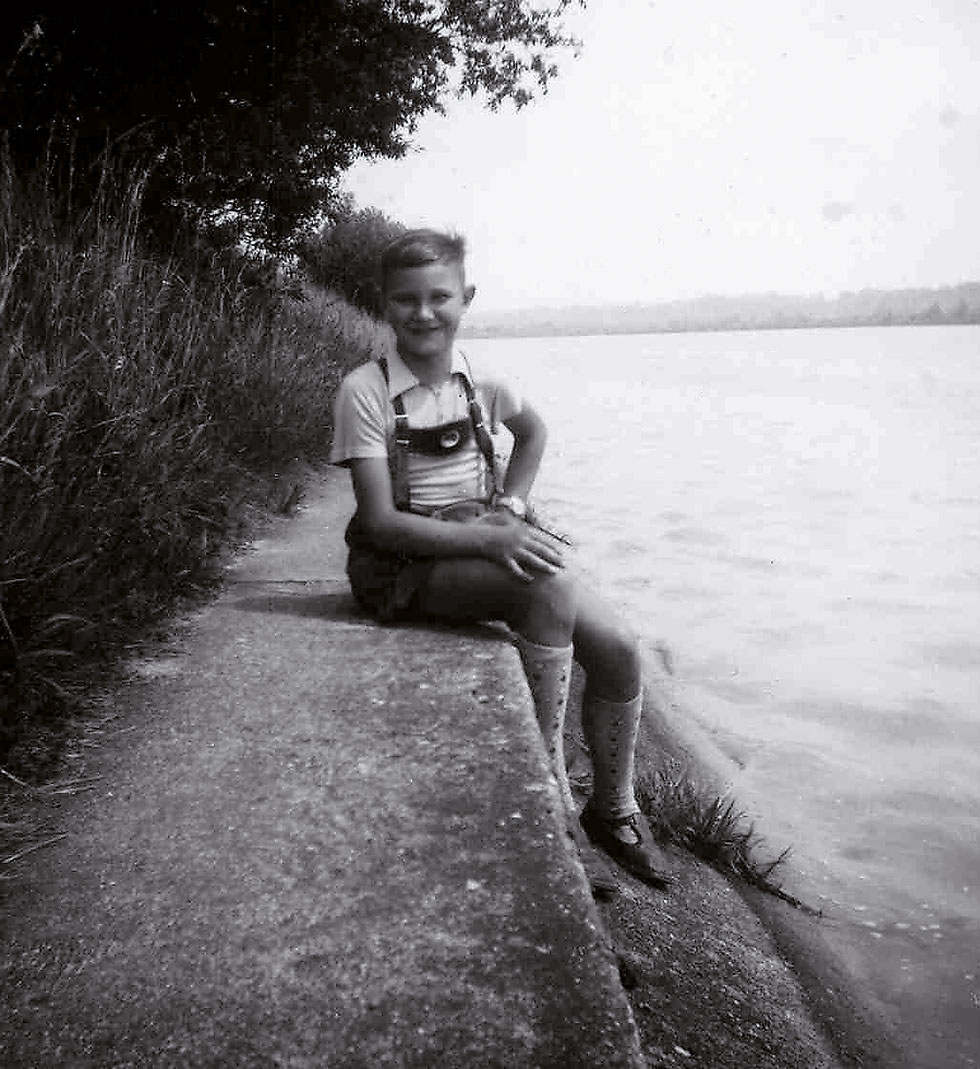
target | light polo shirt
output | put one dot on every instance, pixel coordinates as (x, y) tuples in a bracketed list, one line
[(364, 424)]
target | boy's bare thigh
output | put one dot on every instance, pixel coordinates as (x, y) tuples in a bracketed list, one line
[(469, 588)]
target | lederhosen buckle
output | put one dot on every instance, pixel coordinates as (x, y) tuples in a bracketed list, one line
[(442, 440)]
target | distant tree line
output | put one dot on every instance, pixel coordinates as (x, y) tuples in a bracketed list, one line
[(935, 314), (767, 311)]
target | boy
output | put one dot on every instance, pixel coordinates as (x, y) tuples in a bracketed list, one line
[(410, 428)]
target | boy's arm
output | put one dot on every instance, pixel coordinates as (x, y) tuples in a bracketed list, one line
[(530, 437), (520, 548)]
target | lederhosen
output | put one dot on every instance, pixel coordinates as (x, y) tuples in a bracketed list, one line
[(386, 584)]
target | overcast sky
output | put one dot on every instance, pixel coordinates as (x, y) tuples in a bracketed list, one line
[(712, 146)]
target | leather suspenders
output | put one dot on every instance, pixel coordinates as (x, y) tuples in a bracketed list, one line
[(398, 462)]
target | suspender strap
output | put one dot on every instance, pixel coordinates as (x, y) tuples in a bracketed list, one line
[(482, 434), (398, 460), (400, 486)]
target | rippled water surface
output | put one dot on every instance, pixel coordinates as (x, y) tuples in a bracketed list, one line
[(797, 513)]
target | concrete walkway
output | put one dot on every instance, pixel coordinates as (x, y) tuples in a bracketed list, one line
[(315, 842)]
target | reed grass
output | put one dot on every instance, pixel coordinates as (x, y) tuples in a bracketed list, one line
[(684, 811), (142, 397)]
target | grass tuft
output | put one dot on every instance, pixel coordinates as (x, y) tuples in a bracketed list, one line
[(685, 812)]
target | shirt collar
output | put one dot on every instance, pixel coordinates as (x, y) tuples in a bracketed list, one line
[(402, 378)]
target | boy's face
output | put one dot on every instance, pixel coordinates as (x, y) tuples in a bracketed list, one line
[(424, 305)]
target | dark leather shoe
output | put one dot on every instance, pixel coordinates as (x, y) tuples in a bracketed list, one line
[(630, 841)]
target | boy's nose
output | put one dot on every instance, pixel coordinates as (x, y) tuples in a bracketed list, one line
[(425, 312)]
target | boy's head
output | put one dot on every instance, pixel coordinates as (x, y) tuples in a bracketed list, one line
[(415, 248), (424, 291)]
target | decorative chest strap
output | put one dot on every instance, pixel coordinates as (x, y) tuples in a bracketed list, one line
[(444, 439)]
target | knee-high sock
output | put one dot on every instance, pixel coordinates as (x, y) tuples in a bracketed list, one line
[(610, 730), (549, 672)]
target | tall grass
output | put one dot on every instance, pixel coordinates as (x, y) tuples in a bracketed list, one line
[(140, 396)]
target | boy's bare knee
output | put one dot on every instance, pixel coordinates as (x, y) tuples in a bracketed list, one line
[(550, 609), (611, 658), (627, 657)]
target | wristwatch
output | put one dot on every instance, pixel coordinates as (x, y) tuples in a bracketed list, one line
[(512, 504)]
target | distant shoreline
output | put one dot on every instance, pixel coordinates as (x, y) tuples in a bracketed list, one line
[(948, 305), (555, 331)]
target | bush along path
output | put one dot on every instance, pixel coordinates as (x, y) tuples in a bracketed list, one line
[(146, 391)]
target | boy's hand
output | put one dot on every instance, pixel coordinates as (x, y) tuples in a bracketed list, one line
[(503, 518), (522, 549)]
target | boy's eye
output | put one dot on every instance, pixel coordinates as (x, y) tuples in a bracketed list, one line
[(411, 299)]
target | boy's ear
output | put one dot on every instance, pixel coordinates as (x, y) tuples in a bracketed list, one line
[(468, 294)]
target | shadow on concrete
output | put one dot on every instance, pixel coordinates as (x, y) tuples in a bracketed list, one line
[(334, 606), (342, 606)]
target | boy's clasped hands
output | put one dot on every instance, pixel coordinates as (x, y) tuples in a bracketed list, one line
[(523, 549)]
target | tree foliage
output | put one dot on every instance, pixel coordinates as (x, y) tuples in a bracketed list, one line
[(251, 109)]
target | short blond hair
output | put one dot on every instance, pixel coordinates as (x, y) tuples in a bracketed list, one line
[(415, 248)]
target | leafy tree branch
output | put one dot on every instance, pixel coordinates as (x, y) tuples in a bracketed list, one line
[(246, 112)]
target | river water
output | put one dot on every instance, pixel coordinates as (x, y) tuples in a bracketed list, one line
[(797, 514)]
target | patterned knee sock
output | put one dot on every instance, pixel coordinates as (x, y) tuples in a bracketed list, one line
[(549, 671), (610, 730)]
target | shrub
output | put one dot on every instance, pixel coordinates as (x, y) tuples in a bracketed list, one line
[(344, 257), (140, 397)]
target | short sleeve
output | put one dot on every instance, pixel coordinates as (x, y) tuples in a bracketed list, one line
[(360, 417)]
